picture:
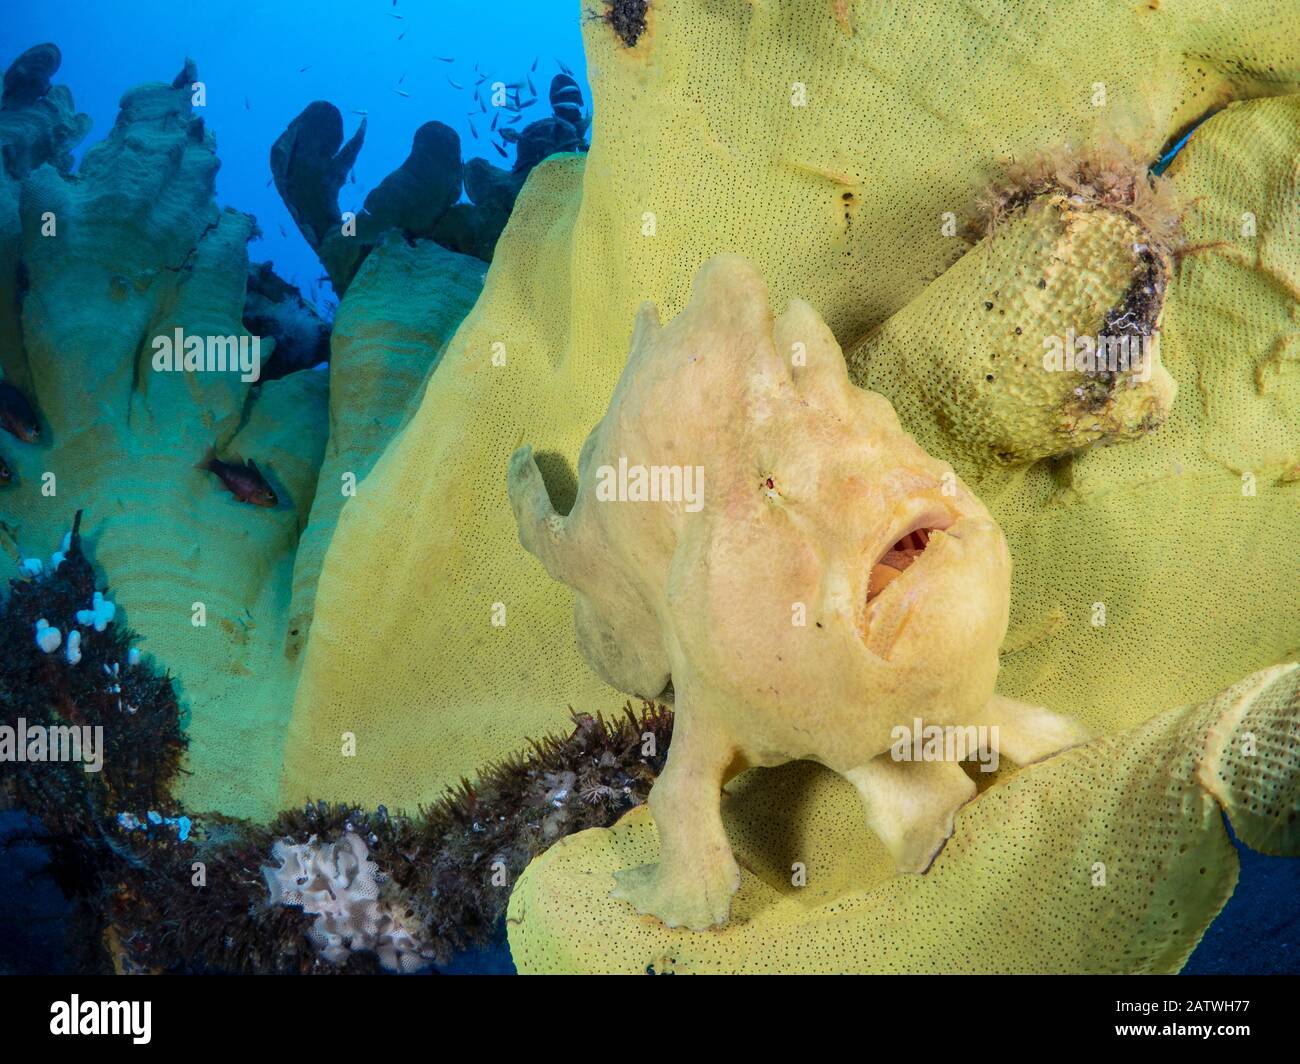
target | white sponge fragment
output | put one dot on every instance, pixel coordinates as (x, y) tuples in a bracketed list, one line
[(47, 638), (32, 566), (73, 652), (100, 613)]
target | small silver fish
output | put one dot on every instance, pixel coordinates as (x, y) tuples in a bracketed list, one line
[(454, 84)]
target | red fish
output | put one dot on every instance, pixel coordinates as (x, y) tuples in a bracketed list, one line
[(17, 415), (242, 479)]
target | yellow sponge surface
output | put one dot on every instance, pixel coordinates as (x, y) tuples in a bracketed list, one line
[(1108, 858)]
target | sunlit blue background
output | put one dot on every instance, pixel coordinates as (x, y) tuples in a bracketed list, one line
[(251, 55)]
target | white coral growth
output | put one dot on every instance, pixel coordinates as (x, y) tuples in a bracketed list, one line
[(345, 890)]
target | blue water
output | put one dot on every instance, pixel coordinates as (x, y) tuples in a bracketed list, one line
[(250, 56)]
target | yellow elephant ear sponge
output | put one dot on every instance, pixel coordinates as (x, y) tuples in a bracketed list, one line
[(437, 643), (1094, 473), (1111, 857), (1119, 843), (393, 325), (1252, 745), (830, 156), (119, 259)]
